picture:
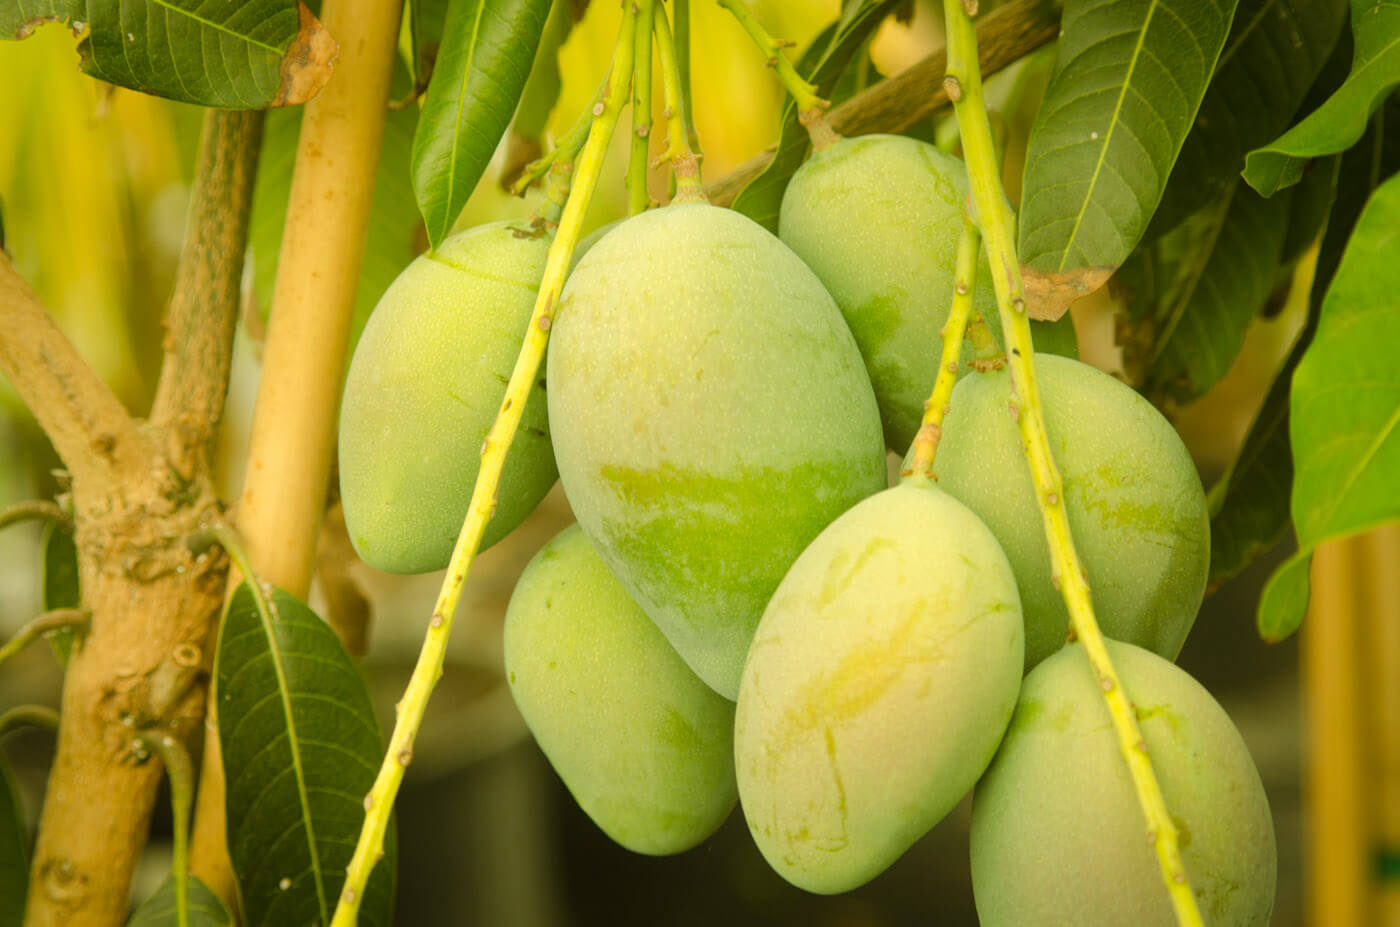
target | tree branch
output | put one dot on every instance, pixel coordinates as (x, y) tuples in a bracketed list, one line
[(204, 308), (897, 103), (87, 424)]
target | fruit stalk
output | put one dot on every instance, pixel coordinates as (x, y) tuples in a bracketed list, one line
[(809, 106), (380, 800), (637, 197), (963, 84), (685, 164), (566, 149), (964, 280)]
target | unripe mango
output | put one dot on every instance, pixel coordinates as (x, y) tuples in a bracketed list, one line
[(426, 382), (878, 219), (1058, 837), (645, 747), (1135, 503), (710, 416), (879, 683)]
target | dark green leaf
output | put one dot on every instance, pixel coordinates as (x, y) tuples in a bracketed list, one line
[(1345, 408), (1249, 505), (247, 55), (301, 748), (1128, 81), (425, 22), (1338, 123), (1224, 273), (14, 852), (542, 88), (1312, 200), (60, 583), (488, 47), (206, 909), (822, 66), (1272, 56), (393, 225)]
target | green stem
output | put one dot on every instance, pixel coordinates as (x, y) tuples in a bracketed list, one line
[(638, 199), (380, 800), (963, 84), (180, 772), (59, 619), (566, 149), (682, 30), (685, 163), (809, 106), (31, 715), (36, 510), (931, 428)]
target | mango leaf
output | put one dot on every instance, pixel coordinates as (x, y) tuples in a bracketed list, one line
[(1249, 504), (1345, 409), (488, 47), (393, 225), (248, 55), (1337, 124), (60, 556), (301, 748), (425, 21), (1272, 56), (14, 852), (1197, 332), (543, 85), (1312, 201), (822, 65), (1128, 81), (206, 909)]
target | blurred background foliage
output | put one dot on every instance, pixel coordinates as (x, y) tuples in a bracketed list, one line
[(95, 182)]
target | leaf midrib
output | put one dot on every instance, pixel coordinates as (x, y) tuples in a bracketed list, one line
[(461, 105)]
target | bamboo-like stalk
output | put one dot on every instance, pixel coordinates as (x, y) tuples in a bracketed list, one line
[(1333, 674), (428, 670), (964, 281), (963, 84), (1383, 644), (318, 273)]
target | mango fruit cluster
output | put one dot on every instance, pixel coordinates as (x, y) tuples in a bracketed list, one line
[(747, 612)]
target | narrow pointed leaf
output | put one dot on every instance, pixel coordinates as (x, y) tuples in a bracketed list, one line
[(822, 65), (60, 583), (248, 55), (1274, 52), (206, 909), (1345, 407), (1129, 78), (14, 852), (1250, 504), (301, 747), (1339, 123), (488, 47)]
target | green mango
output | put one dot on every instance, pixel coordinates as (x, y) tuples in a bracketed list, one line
[(646, 748), (710, 416), (878, 219), (879, 683), (424, 386), (1058, 837), (1135, 502)]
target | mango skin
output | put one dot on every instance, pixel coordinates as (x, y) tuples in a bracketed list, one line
[(424, 386), (645, 747), (711, 415), (1136, 506), (878, 219), (879, 683), (1058, 839)]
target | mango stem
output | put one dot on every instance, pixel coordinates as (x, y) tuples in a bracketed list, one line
[(810, 107), (638, 199), (685, 163), (428, 670), (963, 84)]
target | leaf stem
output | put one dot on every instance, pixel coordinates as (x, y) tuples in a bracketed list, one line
[(380, 800), (809, 106), (682, 33), (566, 149), (36, 510), (33, 715), (931, 428), (963, 84), (180, 772), (685, 163), (638, 199), (59, 619)]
